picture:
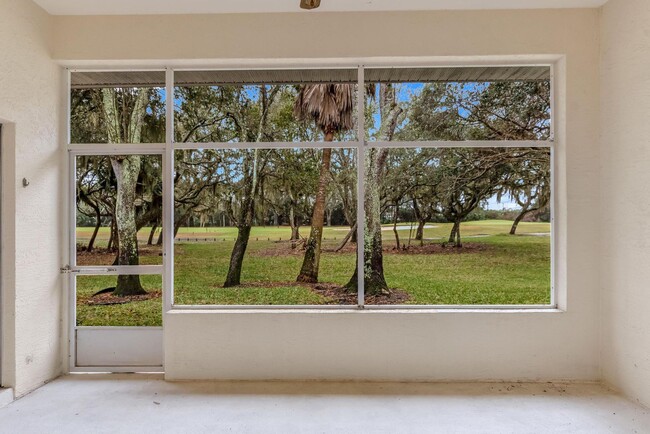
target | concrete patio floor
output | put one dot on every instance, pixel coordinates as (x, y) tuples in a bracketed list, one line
[(124, 403)]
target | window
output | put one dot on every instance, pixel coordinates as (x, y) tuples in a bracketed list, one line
[(254, 187), (113, 187), (447, 215), (460, 157), (258, 106), (241, 215), (117, 107), (117, 135)]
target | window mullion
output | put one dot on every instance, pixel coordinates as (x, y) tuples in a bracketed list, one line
[(168, 196), (554, 196), (116, 270), (361, 156), (117, 149)]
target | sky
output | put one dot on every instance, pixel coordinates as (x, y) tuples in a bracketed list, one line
[(506, 203)]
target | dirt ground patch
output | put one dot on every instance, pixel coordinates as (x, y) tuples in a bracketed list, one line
[(336, 294), (283, 248), (440, 249), (341, 296), (109, 298)]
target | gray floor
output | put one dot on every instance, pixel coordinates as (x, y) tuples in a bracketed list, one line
[(146, 404)]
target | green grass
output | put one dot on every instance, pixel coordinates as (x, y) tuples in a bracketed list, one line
[(191, 287), (507, 270), (513, 270), (140, 313)]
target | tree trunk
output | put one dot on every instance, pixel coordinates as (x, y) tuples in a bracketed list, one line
[(397, 243), (373, 269), (410, 234), (152, 233), (311, 261), (419, 232), (237, 256), (454, 236), (126, 171), (160, 238), (349, 213), (295, 233), (520, 217), (251, 187), (245, 223), (513, 228), (233, 278), (295, 236), (181, 221), (347, 238), (295, 228), (111, 236), (119, 129), (375, 283), (98, 223)]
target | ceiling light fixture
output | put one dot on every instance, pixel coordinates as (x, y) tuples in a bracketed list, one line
[(309, 4)]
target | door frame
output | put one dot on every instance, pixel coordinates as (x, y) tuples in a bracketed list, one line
[(7, 252), (115, 335)]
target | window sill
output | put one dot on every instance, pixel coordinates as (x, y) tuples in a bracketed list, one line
[(409, 310)]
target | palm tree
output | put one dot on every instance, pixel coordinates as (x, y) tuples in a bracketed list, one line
[(330, 106)]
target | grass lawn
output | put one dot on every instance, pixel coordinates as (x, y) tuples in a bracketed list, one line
[(139, 313), (434, 230), (496, 268)]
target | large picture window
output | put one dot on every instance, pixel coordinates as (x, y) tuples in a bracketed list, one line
[(244, 215), (372, 187)]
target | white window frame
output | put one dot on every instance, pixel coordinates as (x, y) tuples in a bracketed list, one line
[(74, 270), (558, 300)]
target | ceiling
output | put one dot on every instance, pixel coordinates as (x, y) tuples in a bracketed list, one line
[(141, 7)]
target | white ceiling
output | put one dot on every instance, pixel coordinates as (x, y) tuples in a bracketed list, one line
[(138, 7)]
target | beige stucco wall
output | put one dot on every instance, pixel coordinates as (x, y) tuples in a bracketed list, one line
[(625, 126), (380, 345), (31, 217), (303, 35), (586, 342)]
